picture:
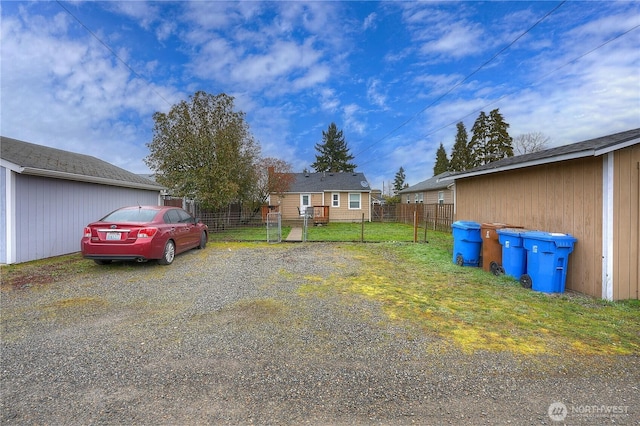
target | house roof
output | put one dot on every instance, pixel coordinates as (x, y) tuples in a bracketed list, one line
[(440, 181), (588, 148), (31, 159), (328, 182)]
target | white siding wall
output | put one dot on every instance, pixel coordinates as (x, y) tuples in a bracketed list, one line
[(3, 215), (50, 214)]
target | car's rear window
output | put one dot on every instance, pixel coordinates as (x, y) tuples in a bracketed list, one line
[(130, 215)]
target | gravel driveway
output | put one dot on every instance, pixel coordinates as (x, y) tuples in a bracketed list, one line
[(226, 336)]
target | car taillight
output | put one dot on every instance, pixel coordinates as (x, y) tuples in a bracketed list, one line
[(87, 232), (147, 232)]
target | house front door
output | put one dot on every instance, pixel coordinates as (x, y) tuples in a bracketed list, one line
[(305, 201)]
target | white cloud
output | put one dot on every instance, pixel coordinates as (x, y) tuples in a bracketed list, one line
[(370, 21), (374, 95)]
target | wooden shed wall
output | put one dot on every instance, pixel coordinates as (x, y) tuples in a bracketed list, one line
[(626, 232), (557, 197)]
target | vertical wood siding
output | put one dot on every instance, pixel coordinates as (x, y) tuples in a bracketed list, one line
[(51, 213), (626, 232), (563, 197)]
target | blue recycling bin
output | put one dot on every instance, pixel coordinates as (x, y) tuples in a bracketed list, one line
[(514, 255), (547, 260), (467, 242)]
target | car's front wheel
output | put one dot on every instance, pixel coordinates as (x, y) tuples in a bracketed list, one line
[(168, 254)]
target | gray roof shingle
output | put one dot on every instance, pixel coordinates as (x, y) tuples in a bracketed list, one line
[(437, 182), (326, 181), (42, 160)]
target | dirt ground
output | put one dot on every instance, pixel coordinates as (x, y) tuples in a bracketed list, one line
[(227, 336)]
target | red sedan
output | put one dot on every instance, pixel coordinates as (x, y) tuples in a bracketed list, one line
[(143, 233)]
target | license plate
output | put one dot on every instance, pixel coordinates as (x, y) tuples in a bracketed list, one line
[(113, 236)]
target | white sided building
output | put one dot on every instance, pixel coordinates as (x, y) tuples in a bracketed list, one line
[(50, 195)]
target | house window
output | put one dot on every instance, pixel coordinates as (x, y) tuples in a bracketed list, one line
[(335, 199), (354, 201), (440, 197), (419, 197)]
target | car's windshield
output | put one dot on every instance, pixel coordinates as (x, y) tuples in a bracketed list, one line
[(130, 215)]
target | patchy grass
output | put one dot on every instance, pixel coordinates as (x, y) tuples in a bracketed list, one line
[(478, 311), (44, 271)]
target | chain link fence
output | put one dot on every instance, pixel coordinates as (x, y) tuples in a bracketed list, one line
[(399, 222)]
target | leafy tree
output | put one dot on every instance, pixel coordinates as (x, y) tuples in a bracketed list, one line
[(203, 149), (399, 183), (460, 153), (490, 140), (530, 142), (442, 161), (273, 176), (333, 152)]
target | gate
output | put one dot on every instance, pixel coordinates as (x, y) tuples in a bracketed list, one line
[(274, 227), (308, 217)]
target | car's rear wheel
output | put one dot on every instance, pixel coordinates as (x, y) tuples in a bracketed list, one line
[(168, 254), (102, 262), (203, 240)]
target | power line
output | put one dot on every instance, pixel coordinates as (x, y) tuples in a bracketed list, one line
[(112, 51), (463, 80), (572, 61)]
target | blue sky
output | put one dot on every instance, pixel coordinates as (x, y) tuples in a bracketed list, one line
[(394, 76)]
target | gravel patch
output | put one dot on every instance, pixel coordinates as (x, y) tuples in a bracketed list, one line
[(226, 336)]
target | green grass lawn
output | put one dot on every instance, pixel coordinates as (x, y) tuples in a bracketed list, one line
[(339, 232)]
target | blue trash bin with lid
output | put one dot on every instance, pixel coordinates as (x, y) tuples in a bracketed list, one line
[(547, 260), (514, 255), (467, 242)]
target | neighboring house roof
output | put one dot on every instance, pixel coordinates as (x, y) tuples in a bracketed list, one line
[(37, 160), (327, 182), (588, 148), (441, 181)]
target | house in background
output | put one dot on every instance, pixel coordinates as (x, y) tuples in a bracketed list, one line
[(336, 197), (589, 189), (50, 195), (436, 190)]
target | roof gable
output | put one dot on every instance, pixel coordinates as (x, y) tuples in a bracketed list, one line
[(326, 181), (32, 159)]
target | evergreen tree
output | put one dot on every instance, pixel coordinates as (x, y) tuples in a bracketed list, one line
[(490, 141), (333, 152), (398, 182), (500, 143), (442, 161), (478, 146), (460, 154)]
